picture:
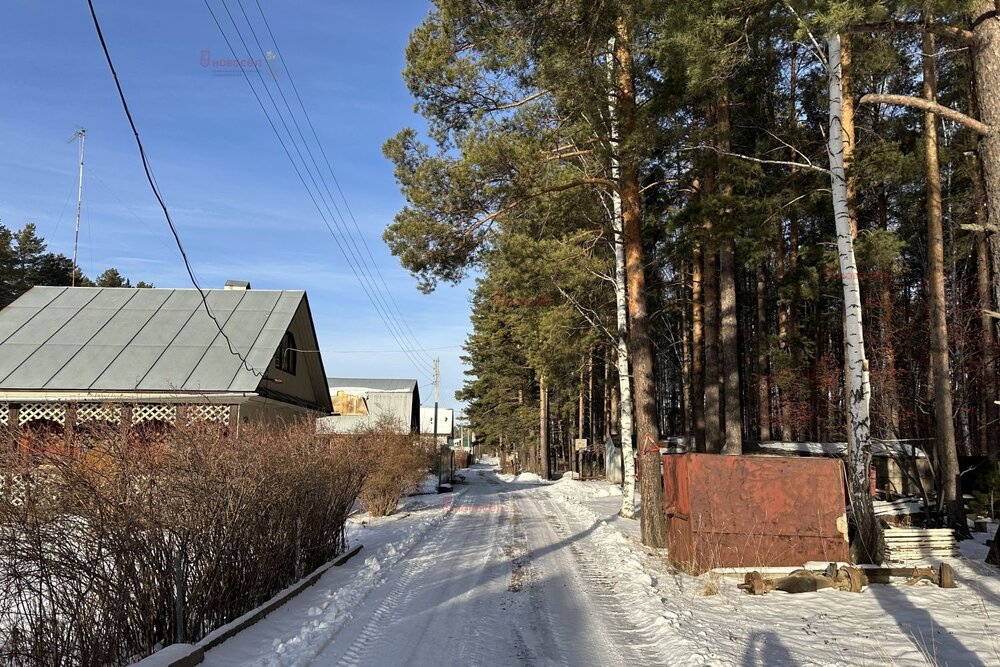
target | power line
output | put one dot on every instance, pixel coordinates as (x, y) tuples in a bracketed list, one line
[(367, 271), (156, 192), (329, 167), (423, 349), (368, 287), (126, 206)]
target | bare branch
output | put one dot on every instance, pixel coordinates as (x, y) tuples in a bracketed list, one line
[(785, 163), (820, 53), (959, 34), (519, 103), (563, 156), (584, 311), (980, 228), (927, 105)]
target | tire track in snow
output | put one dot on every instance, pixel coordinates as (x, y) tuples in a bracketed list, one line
[(652, 623), (396, 589), (602, 588), (407, 619)]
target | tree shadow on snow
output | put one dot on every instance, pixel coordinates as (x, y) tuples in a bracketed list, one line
[(765, 649), (937, 644)]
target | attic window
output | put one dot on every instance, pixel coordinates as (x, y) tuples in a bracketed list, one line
[(285, 355)]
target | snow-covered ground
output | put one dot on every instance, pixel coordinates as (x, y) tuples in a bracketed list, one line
[(508, 571)]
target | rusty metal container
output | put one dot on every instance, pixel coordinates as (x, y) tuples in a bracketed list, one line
[(749, 511)]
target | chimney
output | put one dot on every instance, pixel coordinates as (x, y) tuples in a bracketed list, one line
[(237, 285)]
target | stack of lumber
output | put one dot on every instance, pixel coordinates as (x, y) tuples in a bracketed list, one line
[(903, 544)]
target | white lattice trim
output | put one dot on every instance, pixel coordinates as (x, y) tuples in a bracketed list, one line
[(36, 411), (13, 489), (4, 409), (208, 413), (153, 412), (95, 412)]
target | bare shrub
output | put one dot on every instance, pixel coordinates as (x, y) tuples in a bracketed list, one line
[(396, 463), (100, 550)]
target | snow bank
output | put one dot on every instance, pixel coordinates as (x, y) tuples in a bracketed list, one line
[(707, 620), (296, 633), (523, 478), (427, 486)]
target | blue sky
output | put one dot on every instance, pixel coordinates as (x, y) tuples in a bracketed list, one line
[(235, 198)]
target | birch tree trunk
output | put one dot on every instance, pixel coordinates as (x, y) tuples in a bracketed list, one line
[(624, 381), (621, 317), (868, 536)]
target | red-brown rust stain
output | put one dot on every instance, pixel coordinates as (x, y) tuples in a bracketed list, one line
[(736, 511)]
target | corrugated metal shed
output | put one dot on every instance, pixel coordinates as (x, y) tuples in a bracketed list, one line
[(385, 398), (122, 339)]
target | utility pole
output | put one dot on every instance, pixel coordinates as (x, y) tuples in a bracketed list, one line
[(80, 134), (437, 382)]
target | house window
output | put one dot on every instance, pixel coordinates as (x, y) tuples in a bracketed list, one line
[(285, 355)]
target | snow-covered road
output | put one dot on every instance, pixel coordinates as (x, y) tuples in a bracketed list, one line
[(518, 572), (498, 578)]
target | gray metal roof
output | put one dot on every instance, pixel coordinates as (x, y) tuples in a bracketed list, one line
[(374, 384), (123, 339)]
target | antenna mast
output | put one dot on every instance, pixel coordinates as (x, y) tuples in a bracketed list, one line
[(80, 134)]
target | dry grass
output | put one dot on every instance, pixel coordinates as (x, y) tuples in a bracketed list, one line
[(94, 547), (711, 584)]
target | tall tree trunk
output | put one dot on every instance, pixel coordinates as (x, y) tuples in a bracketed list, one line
[(763, 388), (590, 397), (947, 454), (641, 347), (851, 184), (868, 536), (605, 430), (543, 428), (989, 417), (697, 352), (986, 65), (727, 306), (988, 410), (787, 312), (686, 411), (785, 398), (847, 127), (625, 405), (886, 321), (713, 388), (710, 310)]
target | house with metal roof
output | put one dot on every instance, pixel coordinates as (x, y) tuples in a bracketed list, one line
[(69, 355), (361, 402)]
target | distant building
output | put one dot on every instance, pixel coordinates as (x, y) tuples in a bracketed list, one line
[(360, 402), (76, 355), (445, 423)]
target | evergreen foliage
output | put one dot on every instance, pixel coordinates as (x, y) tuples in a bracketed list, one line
[(512, 182), (25, 262)]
